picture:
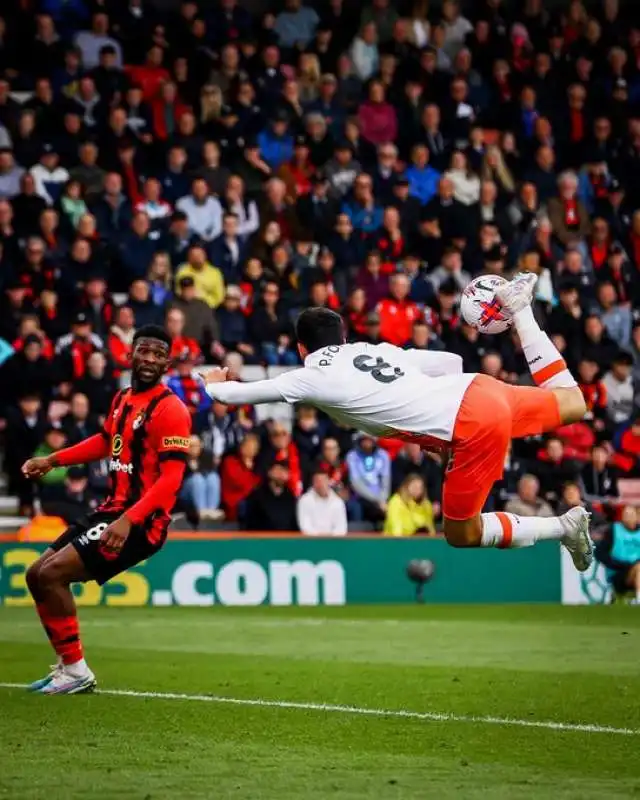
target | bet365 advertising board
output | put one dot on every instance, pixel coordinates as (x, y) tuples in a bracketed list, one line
[(247, 571)]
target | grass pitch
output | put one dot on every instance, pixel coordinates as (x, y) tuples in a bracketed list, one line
[(508, 667)]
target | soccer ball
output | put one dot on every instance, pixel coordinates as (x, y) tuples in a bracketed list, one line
[(481, 308)]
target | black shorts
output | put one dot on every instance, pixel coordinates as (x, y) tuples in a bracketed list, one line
[(619, 580), (85, 535)]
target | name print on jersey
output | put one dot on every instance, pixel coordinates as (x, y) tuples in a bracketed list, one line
[(327, 355)]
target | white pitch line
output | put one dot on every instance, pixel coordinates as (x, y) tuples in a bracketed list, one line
[(429, 716)]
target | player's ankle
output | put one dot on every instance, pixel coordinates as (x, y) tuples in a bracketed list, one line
[(525, 322), (78, 668)]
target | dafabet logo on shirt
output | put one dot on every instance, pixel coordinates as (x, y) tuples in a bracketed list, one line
[(176, 442)]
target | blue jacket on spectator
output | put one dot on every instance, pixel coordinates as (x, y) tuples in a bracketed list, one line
[(233, 327), (363, 219), (136, 255), (275, 150), (370, 474), (347, 252), (423, 183), (221, 257), (146, 313), (112, 223), (174, 185)]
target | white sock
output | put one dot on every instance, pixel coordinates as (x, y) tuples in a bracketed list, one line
[(500, 529), (548, 368), (78, 670)]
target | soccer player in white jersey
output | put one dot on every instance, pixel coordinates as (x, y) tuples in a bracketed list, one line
[(424, 397)]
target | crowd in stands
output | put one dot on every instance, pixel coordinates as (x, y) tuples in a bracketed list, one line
[(217, 170)]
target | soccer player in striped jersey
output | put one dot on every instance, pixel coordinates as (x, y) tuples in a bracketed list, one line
[(146, 439)]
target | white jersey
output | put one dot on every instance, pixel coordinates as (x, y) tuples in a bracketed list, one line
[(379, 389)]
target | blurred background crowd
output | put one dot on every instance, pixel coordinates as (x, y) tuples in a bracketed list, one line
[(216, 168)]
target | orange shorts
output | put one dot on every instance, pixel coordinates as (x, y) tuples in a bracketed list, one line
[(492, 413)]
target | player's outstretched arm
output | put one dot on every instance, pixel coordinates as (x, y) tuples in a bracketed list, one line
[(92, 449), (436, 363), (235, 393)]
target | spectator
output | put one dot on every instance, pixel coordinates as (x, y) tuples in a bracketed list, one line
[(79, 423), (599, 476), (208, 280), (364, 52), (555, 468), (140, 301), (280, 447), (228, 251), (377, 117), (232, 324), (409, 510), (619, 551), (569, 217), (188, 385), (201, 486), (204, 212), (370, 477), (120, 340), (272, 506), (423, 179), (275, 141), (51, 485), (528, 503), (295, 26), (74, 500), (239, 477), (320, 511), (74, 349), (270, 329), (200, 323), (397, 312), (618, 383), (48, 175)]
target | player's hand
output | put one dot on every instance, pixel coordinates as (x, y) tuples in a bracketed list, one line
[(37, 467), (114, 536), (215, 375)]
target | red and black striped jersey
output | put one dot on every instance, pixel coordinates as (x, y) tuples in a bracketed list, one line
[(143, 429)]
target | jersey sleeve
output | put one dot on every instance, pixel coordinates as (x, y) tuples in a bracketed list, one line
[(292, 387), (170, 431), (435, 363)]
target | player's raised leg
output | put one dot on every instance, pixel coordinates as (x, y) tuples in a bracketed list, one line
[(548, 367), (49, 581), (481, 440)]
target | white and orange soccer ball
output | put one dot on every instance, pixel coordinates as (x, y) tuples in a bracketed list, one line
[(480, 306)]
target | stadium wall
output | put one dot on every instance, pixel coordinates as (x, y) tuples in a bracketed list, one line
[(285, 571)]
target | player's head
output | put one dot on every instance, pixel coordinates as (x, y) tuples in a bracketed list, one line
[(317, 328), (151, 356)]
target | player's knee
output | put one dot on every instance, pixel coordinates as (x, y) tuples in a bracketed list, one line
[(32, 577), (50, 575), (463, 533)]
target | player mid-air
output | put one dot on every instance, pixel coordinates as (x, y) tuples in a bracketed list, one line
[(424, 397), (146, 438)]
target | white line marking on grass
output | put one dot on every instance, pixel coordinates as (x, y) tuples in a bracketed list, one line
[(429, 716)]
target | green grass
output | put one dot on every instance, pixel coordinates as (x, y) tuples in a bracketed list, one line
[(570, 665)]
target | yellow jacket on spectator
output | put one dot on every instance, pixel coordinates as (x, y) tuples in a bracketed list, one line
[(208, 281), (408, 516)]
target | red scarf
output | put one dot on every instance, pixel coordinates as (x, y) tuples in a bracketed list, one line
[(576, 120), (599, 253), (80, 352), (571, 218)]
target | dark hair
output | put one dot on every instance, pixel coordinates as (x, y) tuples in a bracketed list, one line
[(153, 332), (319, 327)]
